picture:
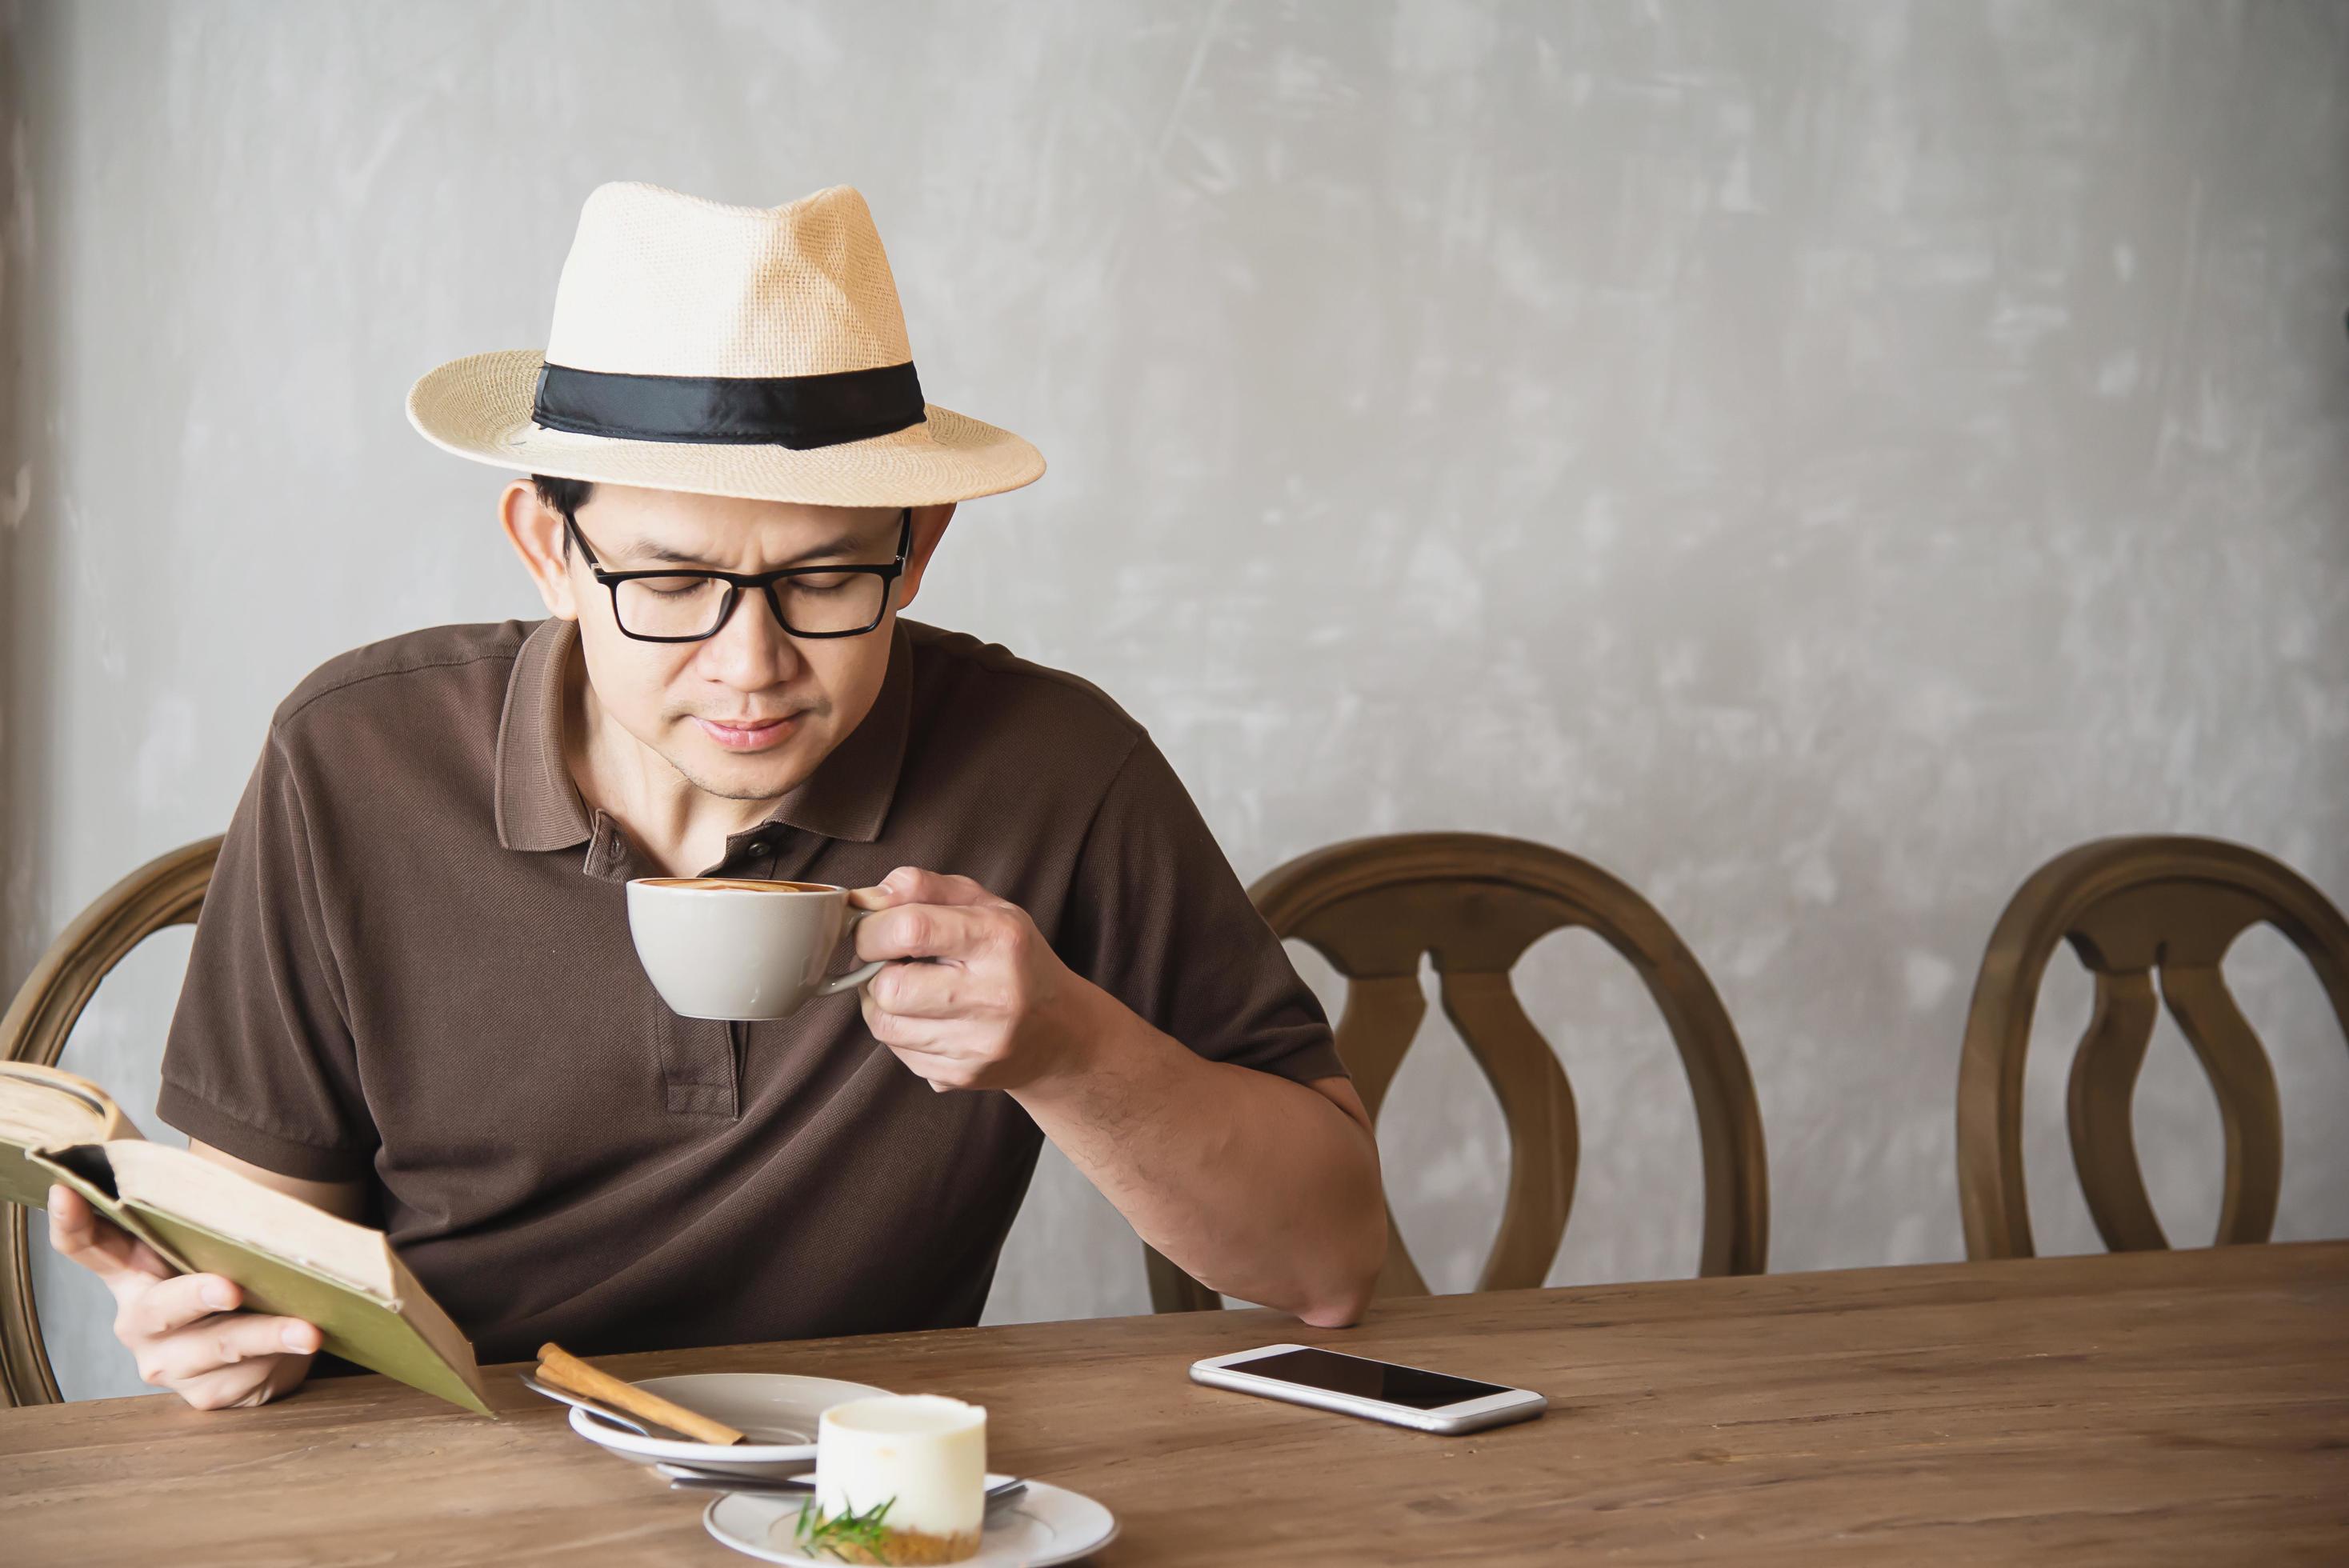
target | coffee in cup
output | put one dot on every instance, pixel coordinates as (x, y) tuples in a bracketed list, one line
[(734, 947)]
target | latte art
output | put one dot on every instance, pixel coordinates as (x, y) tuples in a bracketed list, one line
[(739, 885)]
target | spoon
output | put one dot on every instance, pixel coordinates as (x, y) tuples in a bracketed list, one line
[(593, 1407), (687, 1478)]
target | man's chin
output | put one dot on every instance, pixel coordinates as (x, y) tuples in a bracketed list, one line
[(766, 775)]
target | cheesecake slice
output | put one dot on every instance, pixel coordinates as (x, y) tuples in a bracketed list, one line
[(901, 1478)]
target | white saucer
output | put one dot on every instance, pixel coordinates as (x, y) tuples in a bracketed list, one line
[(776, 1414), (1047, 1525)]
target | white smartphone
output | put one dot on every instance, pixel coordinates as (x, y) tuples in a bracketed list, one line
[(1375, 1390)]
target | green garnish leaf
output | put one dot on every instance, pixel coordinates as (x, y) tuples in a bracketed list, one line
[(817, 1532)]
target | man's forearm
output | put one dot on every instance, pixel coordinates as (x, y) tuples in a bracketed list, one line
[(1259, 1187), (1262, 1188)]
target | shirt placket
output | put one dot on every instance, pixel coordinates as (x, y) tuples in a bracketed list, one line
[(699, 1062)]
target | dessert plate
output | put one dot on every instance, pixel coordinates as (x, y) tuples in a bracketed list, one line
[(775, 1413), (1046, 1524)]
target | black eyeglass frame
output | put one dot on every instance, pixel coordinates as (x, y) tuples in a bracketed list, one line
[(737, 582)]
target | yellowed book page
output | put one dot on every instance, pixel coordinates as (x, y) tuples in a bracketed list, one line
[(43, 1108), (177, 1182)]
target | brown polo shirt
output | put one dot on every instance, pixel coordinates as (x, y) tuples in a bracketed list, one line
[(413, 967)]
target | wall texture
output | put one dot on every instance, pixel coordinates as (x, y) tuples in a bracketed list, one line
[(1816, 459)]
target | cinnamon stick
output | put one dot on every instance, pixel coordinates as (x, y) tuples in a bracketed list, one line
[(564, 1371)]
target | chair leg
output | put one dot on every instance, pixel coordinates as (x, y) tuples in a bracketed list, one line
[(1172, 1290)]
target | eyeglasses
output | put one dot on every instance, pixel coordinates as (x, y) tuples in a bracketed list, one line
[(668, 606)]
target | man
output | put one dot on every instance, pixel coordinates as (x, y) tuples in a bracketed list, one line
[(412, 998)]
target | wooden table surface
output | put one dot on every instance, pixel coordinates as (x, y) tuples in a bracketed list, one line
[(2189, 1405)]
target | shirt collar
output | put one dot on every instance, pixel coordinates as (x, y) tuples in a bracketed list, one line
[(538, 807)]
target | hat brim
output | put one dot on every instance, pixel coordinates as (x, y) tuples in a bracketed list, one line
[(478, 407)]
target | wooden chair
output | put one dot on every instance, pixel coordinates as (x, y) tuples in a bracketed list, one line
[(167, 890), (1475, 902), (2131, 908)]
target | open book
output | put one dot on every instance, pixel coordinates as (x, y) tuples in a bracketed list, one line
[(288, 1256)]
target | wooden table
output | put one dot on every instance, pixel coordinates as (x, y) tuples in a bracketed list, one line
[(2187, 1406)]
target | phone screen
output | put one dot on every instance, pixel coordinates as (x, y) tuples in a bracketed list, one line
[(1406, 1385)]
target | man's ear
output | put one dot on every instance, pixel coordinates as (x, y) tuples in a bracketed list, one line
[(535, 530), (929, 527)]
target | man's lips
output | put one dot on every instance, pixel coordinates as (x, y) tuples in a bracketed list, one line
[(748, 735)]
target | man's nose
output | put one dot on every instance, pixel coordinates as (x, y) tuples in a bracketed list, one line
[(752, 650)]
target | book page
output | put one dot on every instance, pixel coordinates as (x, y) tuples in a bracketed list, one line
[(42, 1106), (174, 1182)]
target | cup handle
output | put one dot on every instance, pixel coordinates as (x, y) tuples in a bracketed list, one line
[(859, 975)]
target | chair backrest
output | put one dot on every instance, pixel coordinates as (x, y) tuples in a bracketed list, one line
[(2132, 908), (1473, 903), (166, 891)]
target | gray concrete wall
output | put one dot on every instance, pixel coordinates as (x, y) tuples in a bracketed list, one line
[(1817, 459)]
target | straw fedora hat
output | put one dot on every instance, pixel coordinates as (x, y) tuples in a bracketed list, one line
[(737, 351)]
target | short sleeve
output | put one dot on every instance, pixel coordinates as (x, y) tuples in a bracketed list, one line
[(1158, 919), (260, 1061)]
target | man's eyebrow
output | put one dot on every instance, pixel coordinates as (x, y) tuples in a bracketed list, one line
[(643, 550), (838, 545), (638, 550)]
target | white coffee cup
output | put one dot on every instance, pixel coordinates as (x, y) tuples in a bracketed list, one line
[(731, 947)]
